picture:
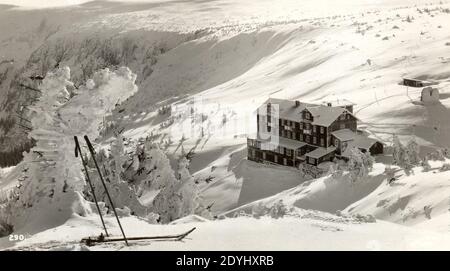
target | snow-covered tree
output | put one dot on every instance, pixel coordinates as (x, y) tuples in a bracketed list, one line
[(120, 190), (259, 210), (160, 177), (188, 188), (445, 167), (425, 164), (359, 164), (399, 151), (278, 209), (413, 150), (55, 180)]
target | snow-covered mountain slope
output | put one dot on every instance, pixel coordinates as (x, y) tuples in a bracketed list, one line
[(411, 200)]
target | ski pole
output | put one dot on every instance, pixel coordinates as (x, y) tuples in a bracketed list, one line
[(91, 149), (78, 151)]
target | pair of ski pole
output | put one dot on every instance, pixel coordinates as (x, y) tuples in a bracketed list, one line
[(92, 151)]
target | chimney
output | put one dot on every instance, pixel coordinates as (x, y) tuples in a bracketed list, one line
[(329, 104), (297, 103)]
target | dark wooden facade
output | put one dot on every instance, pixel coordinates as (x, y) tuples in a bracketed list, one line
[(303, 130)]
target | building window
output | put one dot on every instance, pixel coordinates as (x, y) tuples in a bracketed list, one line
[(288, 152), (293, 135), (348, 116), (307, 139), (275, 158), (342, 117), (269, 119), (322, 142), (314, 128), (314, 140), (284, 161), (264, 155), (342, 126), (253, 153), (322, 130), (269, 129), (307, 115), (301, 137), (301, 125)]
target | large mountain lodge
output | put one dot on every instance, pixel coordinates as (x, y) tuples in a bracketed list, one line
[(293, 132)]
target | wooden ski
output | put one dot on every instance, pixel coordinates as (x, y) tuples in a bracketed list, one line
[(91, 241)]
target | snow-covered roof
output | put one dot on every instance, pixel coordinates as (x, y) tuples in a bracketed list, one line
[(344, 134), (287, 108), (320, 152), (325, 115), (360, 142)]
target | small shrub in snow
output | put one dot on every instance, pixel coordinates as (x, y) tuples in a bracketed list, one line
[(426, 164), (152, 218), (122, 212), (359, 164), (5, 229), (365, 218), (259, 210), (445, 167), (240, 213), (438, 155), (278, 210)]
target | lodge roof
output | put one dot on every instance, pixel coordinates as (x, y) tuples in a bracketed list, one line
[(323, 115), (344, 134), (360, 142)]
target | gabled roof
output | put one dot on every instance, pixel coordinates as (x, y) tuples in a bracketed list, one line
[(360, 142), (325, 115), (287, 108), (320, 152), (344, 134)]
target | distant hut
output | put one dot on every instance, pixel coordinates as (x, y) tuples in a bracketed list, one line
[(417, 83), (429, 95)]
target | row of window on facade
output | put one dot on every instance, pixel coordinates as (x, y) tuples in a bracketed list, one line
[(304, 138), (273, 148), (275, 157)]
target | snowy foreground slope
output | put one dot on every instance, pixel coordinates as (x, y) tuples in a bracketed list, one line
[(302, 231), (222, 59)]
